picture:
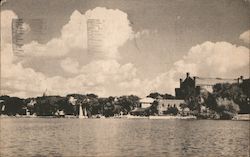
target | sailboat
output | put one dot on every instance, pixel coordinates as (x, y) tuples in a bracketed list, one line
[(81, 114)]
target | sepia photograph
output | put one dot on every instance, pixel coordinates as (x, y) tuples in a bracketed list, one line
[(125, 78)]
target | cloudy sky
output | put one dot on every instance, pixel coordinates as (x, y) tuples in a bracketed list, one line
[(143, 45)]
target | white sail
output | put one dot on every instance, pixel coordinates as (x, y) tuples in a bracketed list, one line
[(81, 115), (85, 112), (80, 111), (3, 107)]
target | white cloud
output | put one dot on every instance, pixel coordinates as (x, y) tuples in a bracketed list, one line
[(220, 59), (98, 76), (73, 36), (116, 31), (105, 75), (245, 36), (108, 71), (70, 65)]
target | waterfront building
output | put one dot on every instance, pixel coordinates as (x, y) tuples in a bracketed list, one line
[(245, 85), (144, 105), (146, 102), (194, 85), (165, 104)]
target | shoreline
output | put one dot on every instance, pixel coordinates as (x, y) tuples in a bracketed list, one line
[(241, 117)]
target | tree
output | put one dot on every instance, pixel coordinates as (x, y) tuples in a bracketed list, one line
[(66, 106), (76, 100), (47, 105), (127, 103), (157, 95), (154, 95), (168, 96), (232, 92), (172, 110), (153, 108), (91, 95), (193, 103), (92, 105), (14, 105), (227, 108)]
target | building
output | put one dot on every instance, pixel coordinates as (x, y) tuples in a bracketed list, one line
[(143, 108), (146, 102), (165, 104), (245, 85), (187, 87), (193, 85), (208, 83)]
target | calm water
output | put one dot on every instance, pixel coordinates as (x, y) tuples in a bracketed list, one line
[(122, 137)]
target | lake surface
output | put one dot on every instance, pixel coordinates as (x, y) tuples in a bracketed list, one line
[(122, 137)]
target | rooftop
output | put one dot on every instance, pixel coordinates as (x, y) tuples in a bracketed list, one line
[(212, 81), (147, 100)]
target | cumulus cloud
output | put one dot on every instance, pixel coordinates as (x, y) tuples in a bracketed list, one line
[(104, 71), (164, 83), (70, 65), (114, 28), (103, 74), (98, 76), (209, 59), (245, 36), (73, 36), (115, 32), (220, 59)]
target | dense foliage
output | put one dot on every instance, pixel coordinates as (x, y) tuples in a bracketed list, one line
[(50, 105), (157, 95), (224, 102)]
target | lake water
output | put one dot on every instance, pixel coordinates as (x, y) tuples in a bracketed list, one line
[(122, 137)]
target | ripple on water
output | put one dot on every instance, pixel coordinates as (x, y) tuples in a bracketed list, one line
[(123, 137)]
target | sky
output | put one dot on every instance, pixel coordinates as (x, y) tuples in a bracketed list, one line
[(140, 46)]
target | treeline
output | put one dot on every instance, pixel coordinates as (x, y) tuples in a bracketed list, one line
[(224, 102), (50, 105)]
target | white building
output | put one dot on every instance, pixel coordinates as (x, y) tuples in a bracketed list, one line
[(146, 102), (164, 104)]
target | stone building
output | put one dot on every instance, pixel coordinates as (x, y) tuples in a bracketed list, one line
[(193, 85)]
